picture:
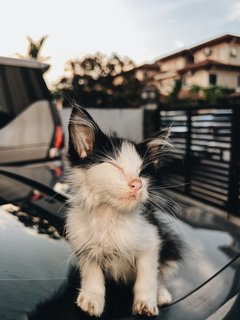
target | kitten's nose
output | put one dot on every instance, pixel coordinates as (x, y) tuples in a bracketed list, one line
[(135, 184)]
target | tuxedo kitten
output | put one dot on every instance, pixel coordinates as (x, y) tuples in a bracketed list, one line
[(112, 225)]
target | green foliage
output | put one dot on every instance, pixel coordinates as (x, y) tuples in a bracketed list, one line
[(213, 94), (195, 94), (195, 90), (99, 81), (174, 95), (210, 94)]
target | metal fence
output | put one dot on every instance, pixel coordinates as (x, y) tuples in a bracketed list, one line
[(206, 159)]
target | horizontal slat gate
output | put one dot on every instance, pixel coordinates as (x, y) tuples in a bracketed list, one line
[(202, 163)]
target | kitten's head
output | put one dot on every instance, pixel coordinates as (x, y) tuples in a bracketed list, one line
[(107, 170)]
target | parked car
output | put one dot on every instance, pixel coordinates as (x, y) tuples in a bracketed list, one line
[(38, 277), (30, 126)]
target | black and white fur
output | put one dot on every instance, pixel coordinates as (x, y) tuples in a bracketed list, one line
[(112, 226)]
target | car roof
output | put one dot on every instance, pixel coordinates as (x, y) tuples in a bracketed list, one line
[(27, 63), (33, 215)]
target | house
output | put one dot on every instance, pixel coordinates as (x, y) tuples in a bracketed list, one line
[(214, 62), (145, 73)]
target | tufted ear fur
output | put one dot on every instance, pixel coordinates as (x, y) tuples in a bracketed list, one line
[(153, 146), (83, 132)]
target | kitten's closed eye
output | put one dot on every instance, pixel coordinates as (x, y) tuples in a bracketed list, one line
[(116, 165)]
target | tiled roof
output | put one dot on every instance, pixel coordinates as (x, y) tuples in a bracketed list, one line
[(207, 64), (226, 38), (174, 55), (146, 66)]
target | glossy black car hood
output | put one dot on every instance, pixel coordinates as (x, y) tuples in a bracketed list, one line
[(38, 281)]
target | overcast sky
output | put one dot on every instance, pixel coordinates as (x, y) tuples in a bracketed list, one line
[(140, 29)]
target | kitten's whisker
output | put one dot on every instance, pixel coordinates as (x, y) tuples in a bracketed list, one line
[(171, 208), (163, 195), (164, 211), (61, 207), (152, 158), (50, 198), (146, 153), (171, 186)]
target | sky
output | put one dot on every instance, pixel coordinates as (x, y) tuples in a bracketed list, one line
[(142, 30)]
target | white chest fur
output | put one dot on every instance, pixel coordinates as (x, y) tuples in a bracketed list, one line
[(111, 238)]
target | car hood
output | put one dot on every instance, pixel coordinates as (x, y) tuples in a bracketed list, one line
[(36, 275)]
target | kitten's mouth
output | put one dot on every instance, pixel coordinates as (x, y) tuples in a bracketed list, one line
[(134, 196)]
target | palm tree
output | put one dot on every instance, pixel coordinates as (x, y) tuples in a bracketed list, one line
[(34, 49)]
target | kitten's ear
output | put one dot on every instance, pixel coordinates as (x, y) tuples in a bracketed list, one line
[(82, 132), (153, 146)]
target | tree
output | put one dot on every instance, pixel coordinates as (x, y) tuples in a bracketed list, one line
[(174, 95), (100, 81), (34, 49)]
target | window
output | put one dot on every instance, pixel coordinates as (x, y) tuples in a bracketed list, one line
[(184, 82), (233, 52), (3, 99), (26, 86), (18, 89), (212, 79), (207, 51), (238, 81), (36, 86), (6, 110)]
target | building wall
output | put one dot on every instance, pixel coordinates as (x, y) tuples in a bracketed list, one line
[(220, 52), (166, 86), (173, 64), (199, 77), (142, 75), (226, 78)]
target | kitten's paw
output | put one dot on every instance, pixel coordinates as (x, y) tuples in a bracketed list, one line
[(145, 308), (164, 296), (91, 303)]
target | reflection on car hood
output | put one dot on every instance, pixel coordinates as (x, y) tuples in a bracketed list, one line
[(35, 272), (34, 254)]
